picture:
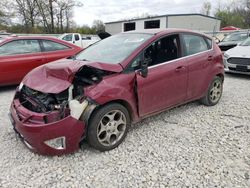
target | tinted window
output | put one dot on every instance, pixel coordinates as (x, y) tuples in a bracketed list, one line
[(53, 46), (67, 37), (194, 44), (152, 24), (77, 37), (20, 47), (163, 50), (129, 26)]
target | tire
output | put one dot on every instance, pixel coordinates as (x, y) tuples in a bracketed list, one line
[(213, 93), (108, 126)]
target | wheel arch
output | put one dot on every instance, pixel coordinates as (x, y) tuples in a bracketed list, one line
[(221, 76), (123, 103)]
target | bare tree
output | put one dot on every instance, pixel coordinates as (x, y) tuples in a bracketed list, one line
[(27, 10), (206, 8), (98, 26), (65, 12)]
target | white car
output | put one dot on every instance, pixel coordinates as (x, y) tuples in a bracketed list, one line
[(237, 59)]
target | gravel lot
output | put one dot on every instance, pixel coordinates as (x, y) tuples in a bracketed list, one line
[(188, 146)]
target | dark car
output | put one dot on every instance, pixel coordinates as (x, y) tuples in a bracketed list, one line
[(19, 55), (115, 82), (232, 40)]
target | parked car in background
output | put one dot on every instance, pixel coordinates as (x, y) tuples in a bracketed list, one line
[(237, 59), (19, 55), (79, 40), (113, 83), (232, 40)]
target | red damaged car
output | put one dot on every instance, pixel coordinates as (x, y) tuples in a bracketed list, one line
[(115, 82)]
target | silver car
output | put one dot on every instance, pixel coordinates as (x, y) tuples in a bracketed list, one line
[(237, 59)]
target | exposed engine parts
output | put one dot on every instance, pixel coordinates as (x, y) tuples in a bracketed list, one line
[(72, 99)]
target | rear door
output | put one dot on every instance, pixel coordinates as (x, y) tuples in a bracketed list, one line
[(199, 57), (166, 83), (17, 58)]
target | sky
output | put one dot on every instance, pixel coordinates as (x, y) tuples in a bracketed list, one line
[(114, 10)]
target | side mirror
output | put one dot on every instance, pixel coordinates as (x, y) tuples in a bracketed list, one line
[(144, 67)]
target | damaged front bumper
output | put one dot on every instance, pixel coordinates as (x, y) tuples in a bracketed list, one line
[(45, 133)]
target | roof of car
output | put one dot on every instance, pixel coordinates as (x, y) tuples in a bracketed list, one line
[(164, 31), (12, 37), (31, 37)]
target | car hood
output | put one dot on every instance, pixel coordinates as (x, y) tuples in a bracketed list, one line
[(57, 76), (228, 43), (239, 51)]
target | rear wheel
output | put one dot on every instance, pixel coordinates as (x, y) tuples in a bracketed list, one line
[(108, 127), (214, 92)]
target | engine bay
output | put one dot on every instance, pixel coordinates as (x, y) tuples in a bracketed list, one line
[(40, 102)]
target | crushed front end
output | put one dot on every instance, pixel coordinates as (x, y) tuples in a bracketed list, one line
[(55, 123), (45, 122)]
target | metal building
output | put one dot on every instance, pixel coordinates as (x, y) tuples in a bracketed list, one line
[(198, 22)]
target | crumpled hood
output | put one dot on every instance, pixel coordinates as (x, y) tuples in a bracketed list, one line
[(57, 76), (239, 51)]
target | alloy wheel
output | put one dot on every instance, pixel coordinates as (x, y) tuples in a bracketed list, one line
[(111, 128)]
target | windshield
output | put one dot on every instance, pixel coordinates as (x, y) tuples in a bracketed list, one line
[(235, 37), (113, 49), (245, 42)]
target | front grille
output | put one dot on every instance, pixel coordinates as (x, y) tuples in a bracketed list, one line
[(239, 61)]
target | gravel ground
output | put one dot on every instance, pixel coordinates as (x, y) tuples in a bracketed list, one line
[(188, 146)]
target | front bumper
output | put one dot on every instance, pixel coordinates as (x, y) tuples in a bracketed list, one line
[(35, 132), (232, 68)]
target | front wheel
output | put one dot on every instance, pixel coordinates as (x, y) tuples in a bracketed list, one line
[(108, 127), (214, 92)]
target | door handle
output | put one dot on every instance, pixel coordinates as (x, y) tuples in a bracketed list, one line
[(180, 68), (210, 58)]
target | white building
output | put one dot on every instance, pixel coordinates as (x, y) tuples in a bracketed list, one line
[(198, 22)]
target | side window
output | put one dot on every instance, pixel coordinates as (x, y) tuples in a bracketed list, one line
[(209, 42), (194, 44), (77, 37), (160, 51), (163, 50), (53, 46), (67, 37), (135, 64), (20, 47)]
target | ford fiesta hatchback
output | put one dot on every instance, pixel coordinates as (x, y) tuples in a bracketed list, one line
[(96, 95)]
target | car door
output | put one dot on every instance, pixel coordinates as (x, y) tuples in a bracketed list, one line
[(53, 50), (77, 40), (166, 82), (199, 57), (17, 58)]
